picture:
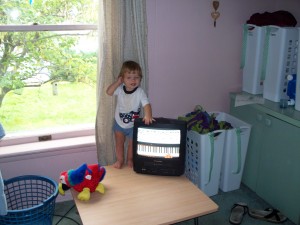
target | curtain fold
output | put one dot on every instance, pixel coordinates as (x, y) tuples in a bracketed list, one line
[(122, 36)]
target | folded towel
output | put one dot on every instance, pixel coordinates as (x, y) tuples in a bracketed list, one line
[(3, 203), (2, 133)]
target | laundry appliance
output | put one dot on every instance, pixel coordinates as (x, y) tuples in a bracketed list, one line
[(279, 61), (252, 58)]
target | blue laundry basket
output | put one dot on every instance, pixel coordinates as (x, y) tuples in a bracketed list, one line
[(30, 200)]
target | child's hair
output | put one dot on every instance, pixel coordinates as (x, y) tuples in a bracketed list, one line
[(131, 66)]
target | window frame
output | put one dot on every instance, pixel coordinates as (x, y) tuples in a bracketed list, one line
[(64, 132), (28, 28)]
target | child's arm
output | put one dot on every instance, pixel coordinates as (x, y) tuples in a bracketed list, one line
[(111, 88), (148, 114)]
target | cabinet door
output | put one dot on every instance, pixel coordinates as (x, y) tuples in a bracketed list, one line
[(279, 171), (252, 116)]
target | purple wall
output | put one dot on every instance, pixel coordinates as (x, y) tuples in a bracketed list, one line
[(192, 62)]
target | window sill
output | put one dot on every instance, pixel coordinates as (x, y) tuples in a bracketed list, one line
[(52, 147), (13, 139)]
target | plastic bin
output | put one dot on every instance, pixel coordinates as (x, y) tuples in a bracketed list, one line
[(234, 153), (203, 160), (30, 200)]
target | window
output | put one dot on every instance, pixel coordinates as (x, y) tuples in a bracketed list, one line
[(48, 66)]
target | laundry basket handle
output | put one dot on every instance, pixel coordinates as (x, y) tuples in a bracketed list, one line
[(212, 148), (244, 46), (239, 151)]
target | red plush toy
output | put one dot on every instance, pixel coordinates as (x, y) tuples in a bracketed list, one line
[(85, 179)]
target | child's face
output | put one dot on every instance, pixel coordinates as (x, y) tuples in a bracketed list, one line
[(131, 80)]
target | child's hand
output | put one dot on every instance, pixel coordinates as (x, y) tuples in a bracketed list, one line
[(147, 120), (111, 88), (148, 114), (120, 80)]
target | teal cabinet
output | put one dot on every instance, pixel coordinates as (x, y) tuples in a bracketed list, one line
[(272, 166), (279, 170)]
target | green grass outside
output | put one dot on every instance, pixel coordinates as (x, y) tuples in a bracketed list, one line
[(34, 108)]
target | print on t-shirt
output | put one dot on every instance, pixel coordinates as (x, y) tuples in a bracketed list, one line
[(129, 117)]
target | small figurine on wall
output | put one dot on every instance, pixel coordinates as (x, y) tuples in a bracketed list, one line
[(85, 179), (215, 15)]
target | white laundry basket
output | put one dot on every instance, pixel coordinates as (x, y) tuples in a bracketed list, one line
[(203, 160), (234, 152)]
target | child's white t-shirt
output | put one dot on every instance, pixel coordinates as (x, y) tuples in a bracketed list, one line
[(128, 105)]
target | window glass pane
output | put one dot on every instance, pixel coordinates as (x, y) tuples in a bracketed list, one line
[(28, 12), (47, 79)]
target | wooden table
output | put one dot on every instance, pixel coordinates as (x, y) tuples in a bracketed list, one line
[(132, 198)]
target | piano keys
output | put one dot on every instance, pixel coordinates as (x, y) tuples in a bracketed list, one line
[(152, 150)]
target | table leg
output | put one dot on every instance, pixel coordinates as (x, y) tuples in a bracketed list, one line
[(196, 221)]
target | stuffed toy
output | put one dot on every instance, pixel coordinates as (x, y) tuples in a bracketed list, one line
[(85, 180)]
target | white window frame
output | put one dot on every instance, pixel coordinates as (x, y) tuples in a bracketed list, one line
[(28, 28), (52, 133)]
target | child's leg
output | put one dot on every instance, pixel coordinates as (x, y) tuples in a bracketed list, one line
[(120, 139), (130, 153)]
